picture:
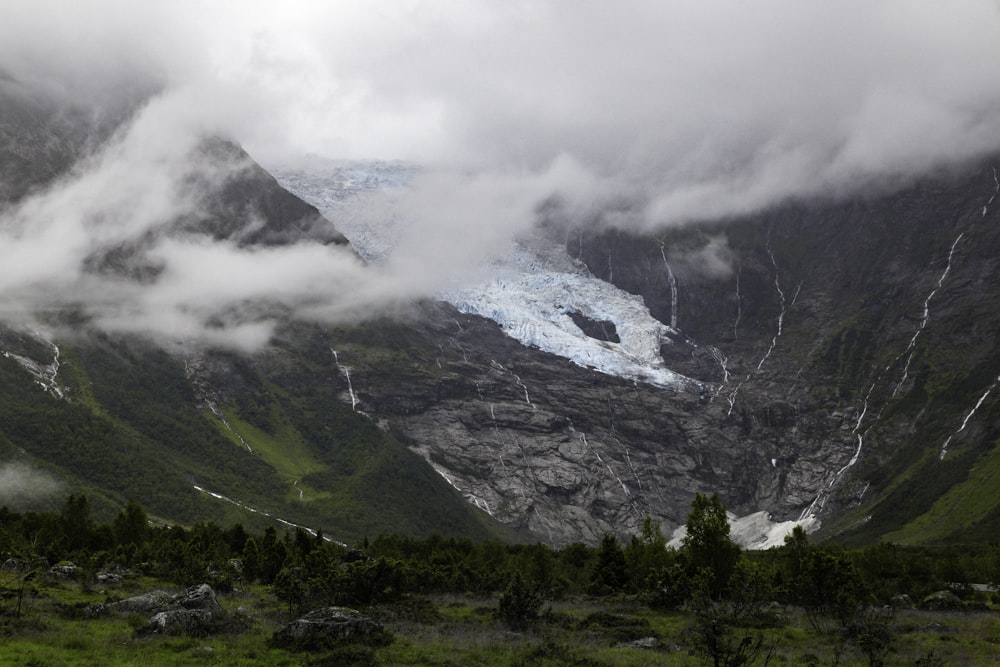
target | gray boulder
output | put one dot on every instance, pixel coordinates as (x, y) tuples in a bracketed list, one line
[(326, 625), (189, 622), (199, 597), (643, 643), (64, 570), (942, 600), (902, 602), (195, 612), (15, 566), (147, 603)]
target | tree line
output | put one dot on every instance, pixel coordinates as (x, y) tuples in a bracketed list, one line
[(307, 570)]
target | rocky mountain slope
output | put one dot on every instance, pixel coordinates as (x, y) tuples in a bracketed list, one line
[(866, 327), (838, 354), (120, 417), (826, 362)]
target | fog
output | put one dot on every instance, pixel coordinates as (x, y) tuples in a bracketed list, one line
[(642, 115), (22, 485)]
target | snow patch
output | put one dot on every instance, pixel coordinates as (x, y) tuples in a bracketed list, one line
[(755, 531)]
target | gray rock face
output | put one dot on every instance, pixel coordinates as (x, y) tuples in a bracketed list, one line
[(569, 454), (838, 341), (326, 624)]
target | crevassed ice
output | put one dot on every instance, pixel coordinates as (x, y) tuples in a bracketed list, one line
[(531, 302), (530, 293)]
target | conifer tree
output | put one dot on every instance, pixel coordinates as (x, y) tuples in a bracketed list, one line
[(707, 546)]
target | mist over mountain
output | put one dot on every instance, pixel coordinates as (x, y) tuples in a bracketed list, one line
[(571, 263), (637, 116)]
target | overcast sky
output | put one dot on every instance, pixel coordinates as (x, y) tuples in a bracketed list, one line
[(687, 110)]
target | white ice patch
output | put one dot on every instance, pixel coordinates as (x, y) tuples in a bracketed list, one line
[(754, 531), (531, 295)]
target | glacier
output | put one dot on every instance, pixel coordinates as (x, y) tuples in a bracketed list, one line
[(531, 292)]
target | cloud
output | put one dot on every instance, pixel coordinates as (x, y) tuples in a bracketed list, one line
[(637, 114), (21, 485), (714, 259)]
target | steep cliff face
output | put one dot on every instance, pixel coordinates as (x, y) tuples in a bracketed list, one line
[(864, 329), (568, 453)]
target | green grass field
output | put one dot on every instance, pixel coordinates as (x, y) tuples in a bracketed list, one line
[(458, 630)]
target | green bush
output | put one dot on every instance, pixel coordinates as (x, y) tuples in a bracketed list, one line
[(520, 605)]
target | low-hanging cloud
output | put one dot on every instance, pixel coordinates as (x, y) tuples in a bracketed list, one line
[(21, 485), (638, 114)]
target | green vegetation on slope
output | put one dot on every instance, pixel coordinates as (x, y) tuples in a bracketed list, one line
[(134, 428)]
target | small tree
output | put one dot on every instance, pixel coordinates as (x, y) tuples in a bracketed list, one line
[(707, 545), (873, 629), (520, 604), (608, 575), (667, 587), (131, 526), (714, 635), (827, 587), (77, 526), (645, 554)]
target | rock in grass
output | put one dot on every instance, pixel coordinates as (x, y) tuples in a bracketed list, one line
[(942, 601), (147, 603), (326, 625)]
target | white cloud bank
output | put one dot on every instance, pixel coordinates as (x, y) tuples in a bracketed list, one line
[(637, 113)]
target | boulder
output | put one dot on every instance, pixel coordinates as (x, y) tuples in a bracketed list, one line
[(112, 574), (643, 643), (189, 622), (902, 602), (64, 570), (147, 603), (199, 597), (942, 600), (325, 625), (195, 612), (15, 566)]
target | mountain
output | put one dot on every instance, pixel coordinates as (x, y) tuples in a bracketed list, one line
[(863, 328), (119, 416), (830, 362)]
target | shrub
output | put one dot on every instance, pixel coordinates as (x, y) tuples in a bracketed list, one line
[(520, 604)]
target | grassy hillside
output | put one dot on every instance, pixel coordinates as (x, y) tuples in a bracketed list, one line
[(134, 428)]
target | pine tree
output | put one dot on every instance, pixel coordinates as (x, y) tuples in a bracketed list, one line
[(707, 546)]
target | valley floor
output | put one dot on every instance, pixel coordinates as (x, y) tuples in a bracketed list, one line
[(52, 628)]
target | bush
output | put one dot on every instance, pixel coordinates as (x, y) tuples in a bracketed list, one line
[(617, 627), (520, 604)]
